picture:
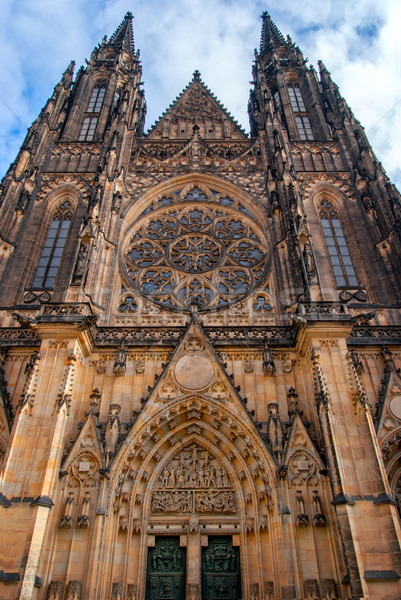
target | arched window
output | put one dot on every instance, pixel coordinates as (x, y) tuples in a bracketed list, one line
[(337, 246), (94, 107), (301, 118), (53, 248)]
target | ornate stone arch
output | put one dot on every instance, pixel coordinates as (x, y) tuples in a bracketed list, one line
[(199, 243), (218, 436), (391, 450)]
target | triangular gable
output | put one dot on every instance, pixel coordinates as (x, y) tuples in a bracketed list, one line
[(88, 443), (301, 456), (193, 371), (388, 417), (196, 106)]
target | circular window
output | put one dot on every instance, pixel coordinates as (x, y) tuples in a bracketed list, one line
[(208, 256)]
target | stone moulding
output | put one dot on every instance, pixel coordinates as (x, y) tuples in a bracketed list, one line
[(148, 336)]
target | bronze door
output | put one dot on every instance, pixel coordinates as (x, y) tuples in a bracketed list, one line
[(221, 578), (166, 570)]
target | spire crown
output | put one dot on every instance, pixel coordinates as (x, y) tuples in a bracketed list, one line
[(123, 37), (271, 36)]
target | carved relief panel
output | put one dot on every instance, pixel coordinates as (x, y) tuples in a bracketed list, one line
[(194, 481)]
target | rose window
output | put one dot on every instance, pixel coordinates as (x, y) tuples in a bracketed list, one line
[(207, 256)]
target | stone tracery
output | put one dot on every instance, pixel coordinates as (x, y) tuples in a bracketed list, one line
[(200, 255)]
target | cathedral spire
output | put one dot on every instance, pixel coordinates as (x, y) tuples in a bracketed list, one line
[(271, 36), (123, 37)]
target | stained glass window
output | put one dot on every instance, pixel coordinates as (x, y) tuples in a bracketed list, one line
[(206, 255), (96, 99), (53, 249), (337, 247), (88, 129)]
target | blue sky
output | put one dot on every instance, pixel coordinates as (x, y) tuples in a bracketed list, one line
[(358, 40)]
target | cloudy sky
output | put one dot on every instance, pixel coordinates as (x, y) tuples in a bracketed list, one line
[(358, 40)]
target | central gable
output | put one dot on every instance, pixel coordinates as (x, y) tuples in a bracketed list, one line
[(196, 106)]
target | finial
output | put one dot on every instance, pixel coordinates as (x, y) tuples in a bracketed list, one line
[(196, 74)]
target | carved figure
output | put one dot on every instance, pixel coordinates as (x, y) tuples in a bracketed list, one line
[(80, 264), (120, 364), (268, 366), (66, 519), (116, 203), (302, 517)]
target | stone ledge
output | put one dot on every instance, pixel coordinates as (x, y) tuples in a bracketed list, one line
[(42, 501), (341, 498), (9, 577), (381, 575)]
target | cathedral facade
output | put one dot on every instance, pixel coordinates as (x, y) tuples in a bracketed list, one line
[(200, 390)]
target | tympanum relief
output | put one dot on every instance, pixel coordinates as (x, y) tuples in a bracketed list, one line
[(194, 481)]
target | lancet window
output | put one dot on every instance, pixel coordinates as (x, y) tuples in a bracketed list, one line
[(298, 106), (53, 249), (96, 99), (337, 246), (95, 105)]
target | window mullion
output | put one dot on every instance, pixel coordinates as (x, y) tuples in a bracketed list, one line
[(49, 262)]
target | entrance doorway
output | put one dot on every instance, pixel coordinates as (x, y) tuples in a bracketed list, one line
[(221, 576), (166, 570)]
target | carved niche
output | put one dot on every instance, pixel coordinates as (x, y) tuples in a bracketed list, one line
[(194, 481)]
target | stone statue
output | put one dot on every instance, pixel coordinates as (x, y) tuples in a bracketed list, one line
[(268, 366)]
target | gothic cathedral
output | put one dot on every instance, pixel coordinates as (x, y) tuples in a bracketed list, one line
[(200, 389)]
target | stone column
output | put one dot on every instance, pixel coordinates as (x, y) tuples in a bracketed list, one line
[(194, 558)]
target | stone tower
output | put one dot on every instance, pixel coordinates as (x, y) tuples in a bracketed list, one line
[(200, 393)]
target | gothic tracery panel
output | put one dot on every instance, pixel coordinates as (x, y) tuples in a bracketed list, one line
[(200, 255)]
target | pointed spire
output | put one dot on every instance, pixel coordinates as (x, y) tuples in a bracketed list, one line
[(68, 74), (123, 37), (271, 35)]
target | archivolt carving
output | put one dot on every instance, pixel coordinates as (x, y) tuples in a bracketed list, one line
[(323, 179), (200, 476)]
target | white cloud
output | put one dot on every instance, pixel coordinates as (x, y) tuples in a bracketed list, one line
[(38, 38)]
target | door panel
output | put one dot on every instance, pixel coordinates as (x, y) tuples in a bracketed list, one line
[(166, 570), (221, 578)]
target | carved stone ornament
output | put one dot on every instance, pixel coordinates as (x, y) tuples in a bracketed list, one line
[(117, 591), (73, 590), (55, 590), (254, 591), (194, 482), (193, 591), (200, 255), (248, 365), (169, 391), (329, 589), (219, 391), (268, 591), (132, 591), (311, 590), (194, 344)]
